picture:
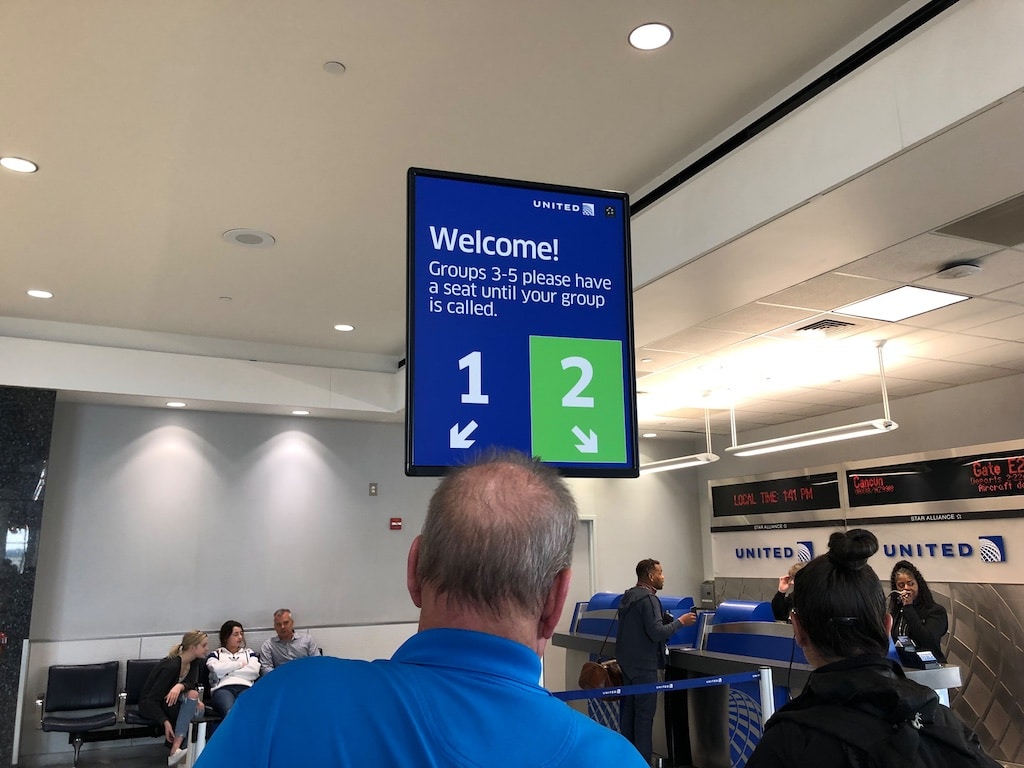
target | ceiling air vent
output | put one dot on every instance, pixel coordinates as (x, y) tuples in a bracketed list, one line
[(825, 325)]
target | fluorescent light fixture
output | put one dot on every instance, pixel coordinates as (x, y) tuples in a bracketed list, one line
[(818, 436), (680, 462), (648, 37), (860, 429), (18, 164), (900, 304)]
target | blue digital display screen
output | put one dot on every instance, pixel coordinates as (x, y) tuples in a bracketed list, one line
[(519, 325)]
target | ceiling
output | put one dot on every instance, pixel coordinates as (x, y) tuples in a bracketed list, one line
[(159, 126)]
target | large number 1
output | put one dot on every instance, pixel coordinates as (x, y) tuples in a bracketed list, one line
[(472, 361), (572, 398)]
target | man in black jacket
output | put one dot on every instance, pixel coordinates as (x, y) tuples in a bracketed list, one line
[(640, 651)]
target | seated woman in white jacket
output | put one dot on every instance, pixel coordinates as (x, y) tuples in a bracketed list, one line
[(233, 667)]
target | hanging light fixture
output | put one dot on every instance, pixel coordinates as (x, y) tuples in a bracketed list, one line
[(831, 434), (681, 462)]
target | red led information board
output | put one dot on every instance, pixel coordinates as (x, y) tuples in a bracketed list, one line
[(969, 477)]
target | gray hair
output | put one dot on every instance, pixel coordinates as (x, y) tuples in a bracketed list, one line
[(497, 533)]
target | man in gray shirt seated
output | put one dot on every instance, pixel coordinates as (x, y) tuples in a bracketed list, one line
[(275, 651)]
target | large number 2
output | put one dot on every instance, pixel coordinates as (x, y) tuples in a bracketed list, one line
[(472, 361), (572, 398)]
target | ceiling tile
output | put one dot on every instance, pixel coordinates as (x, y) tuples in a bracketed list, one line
[(697, 341), (964, 315), (919, 257), (1014, 293), (1010, 329), (948, 372), (829, 291), (757, 318), (1005, 354), (998, 270), (1002, 224)]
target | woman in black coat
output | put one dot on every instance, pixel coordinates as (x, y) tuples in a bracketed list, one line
[(915, 614), (170, 695)]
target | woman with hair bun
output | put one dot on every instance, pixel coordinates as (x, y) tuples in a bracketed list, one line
[(915, 614), (857, 708), (170, 696)]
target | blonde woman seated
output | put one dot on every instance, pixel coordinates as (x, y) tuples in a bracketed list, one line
[(170, 695), (233, 667)]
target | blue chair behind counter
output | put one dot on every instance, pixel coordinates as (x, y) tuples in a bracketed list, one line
[(601, 616), (768, 641)]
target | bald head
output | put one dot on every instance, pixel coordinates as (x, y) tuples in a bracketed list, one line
[(497, 534)]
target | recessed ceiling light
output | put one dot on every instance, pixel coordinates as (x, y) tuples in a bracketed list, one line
[(649, 434), (900, 304), (250, 238), (300, 412), (176, 404), (334, 67), (18, 164), (344, 327), (648, 37), (35, 294), (646, 359)]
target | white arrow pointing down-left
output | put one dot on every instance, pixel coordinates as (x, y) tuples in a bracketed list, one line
[(457, 437), (588, 444)]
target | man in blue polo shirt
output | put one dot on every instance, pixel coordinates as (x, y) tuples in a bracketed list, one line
[(490, 574)]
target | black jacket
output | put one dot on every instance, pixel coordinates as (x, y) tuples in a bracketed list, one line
[(866, 683), (640, 640), (925, 626), (159, 683), (782, 604)]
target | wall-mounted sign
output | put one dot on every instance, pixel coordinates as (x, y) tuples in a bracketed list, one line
[(519, 325), (788, 494), (969, 477)]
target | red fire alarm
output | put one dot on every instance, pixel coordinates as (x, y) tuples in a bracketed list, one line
[(396, 523)]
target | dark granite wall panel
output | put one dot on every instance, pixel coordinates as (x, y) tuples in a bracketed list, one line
[(26, 420)]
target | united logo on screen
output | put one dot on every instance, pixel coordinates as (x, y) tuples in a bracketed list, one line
[(588, 209)]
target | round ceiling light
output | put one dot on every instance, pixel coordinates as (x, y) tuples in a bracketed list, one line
[(176, 404), (334, 67), (648, 37), (18, 164), (36, 294), (300, 412), (250, 238), (344, 327)]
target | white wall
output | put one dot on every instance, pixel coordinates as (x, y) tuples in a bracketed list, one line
[(158, 521)]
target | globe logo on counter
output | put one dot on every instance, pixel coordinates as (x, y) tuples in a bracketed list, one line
[(744, 725)]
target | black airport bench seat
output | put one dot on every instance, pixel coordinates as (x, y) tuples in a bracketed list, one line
[(83, 701)]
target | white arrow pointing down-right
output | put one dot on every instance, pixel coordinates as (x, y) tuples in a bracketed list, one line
[(588, 444)]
